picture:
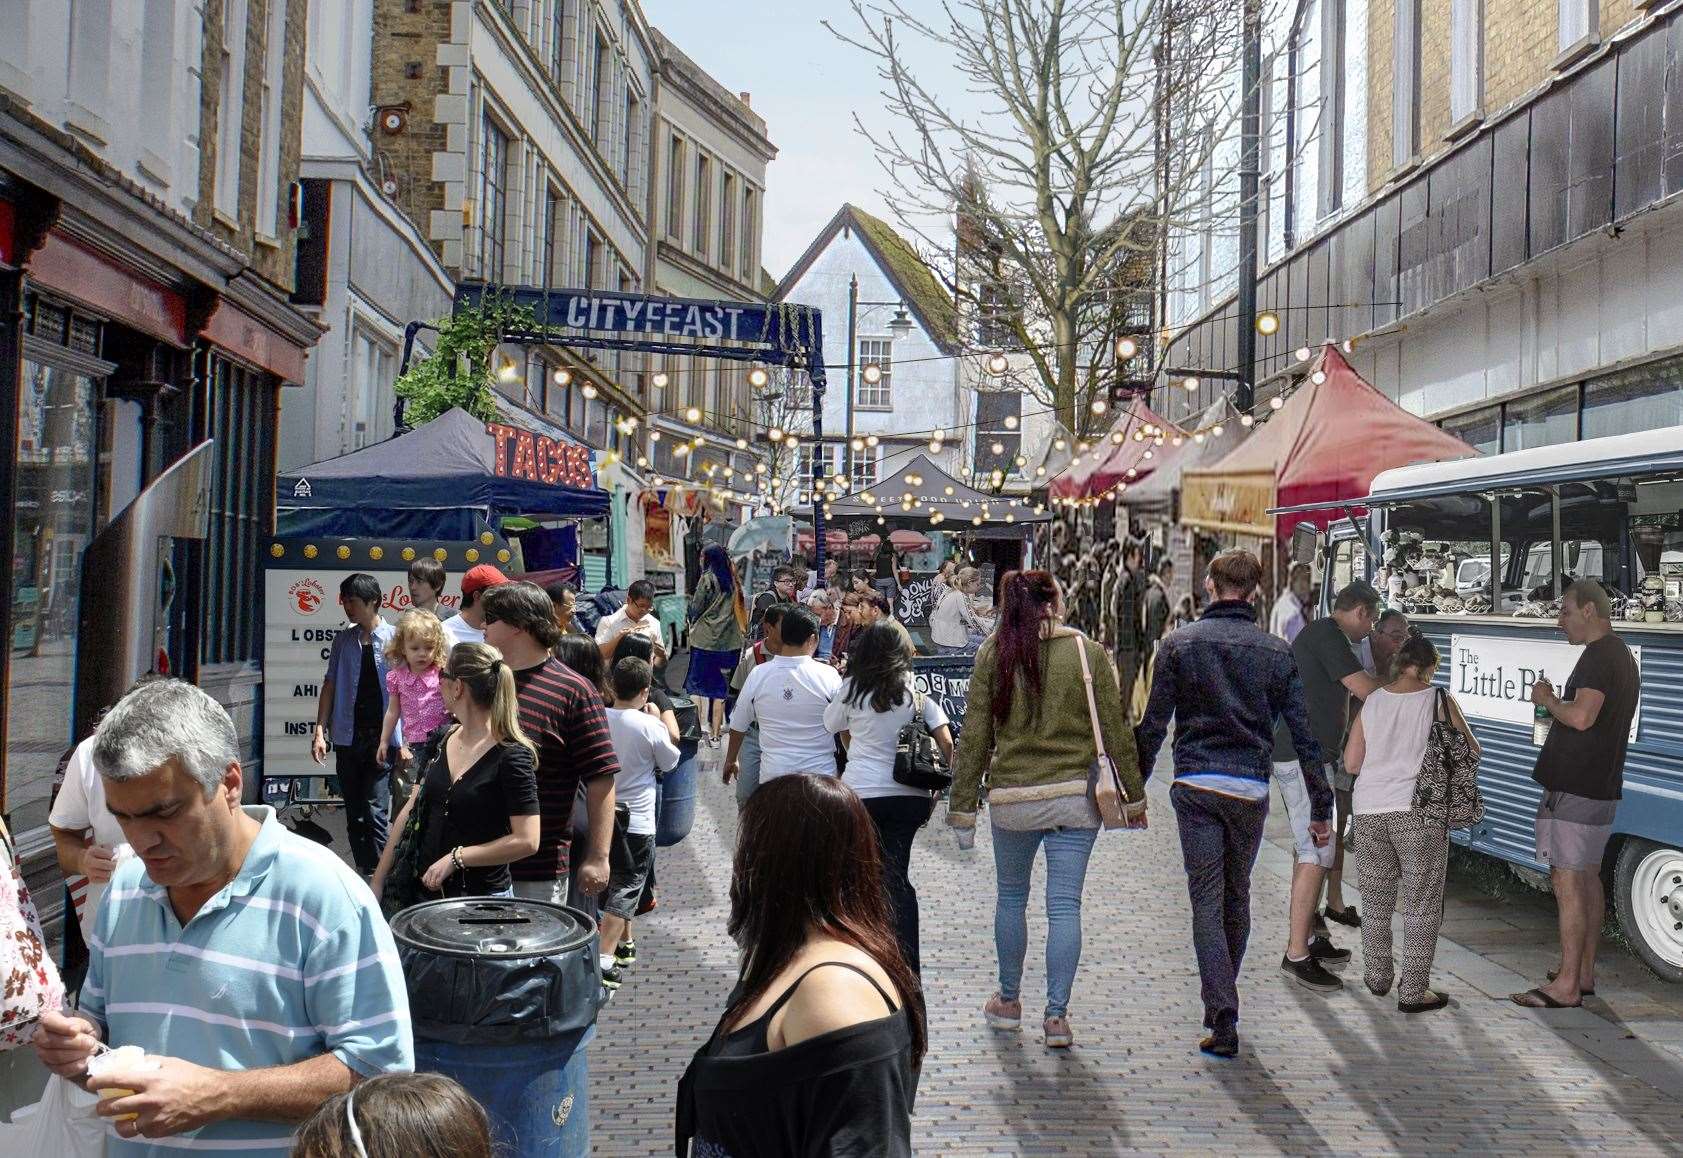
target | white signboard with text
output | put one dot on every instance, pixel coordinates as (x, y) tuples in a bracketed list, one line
[(301, 616), (1491, 676)]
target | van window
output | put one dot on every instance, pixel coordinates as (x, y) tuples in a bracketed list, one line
[(1349, 563)]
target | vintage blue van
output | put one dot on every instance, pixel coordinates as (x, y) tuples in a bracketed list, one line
[(1607, 508)]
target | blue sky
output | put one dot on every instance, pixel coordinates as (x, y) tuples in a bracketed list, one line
[(807, 85)]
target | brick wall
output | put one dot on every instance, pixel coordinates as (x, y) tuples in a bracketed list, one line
[(271, 258), (407, 34), (1521, 46)]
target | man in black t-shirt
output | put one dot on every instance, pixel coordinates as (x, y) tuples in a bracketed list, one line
[(1333, 679), (1581, 769)]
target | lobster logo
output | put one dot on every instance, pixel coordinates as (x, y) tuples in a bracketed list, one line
[(307, 595)]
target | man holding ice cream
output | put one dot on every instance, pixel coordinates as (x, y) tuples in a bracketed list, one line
[(251, 965)]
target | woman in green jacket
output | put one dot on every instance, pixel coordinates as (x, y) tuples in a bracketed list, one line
[(1027, 725), (718, 618)]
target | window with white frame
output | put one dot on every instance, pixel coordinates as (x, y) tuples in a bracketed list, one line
[(675, 188), (749, 224), (552, 238), (493, 199), (373, 371), (727, 222), (270, 141), (867, 464), (1466, 59), (1578, 20), (230, 108), (703, 203), (1405, 82), (829, 460), (878, 352)]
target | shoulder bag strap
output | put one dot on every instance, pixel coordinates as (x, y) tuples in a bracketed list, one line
[(1092, 704)]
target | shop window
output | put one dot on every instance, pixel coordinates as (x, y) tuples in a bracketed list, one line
[(1645, 398), (1543, 420), (241, 420), (54, 517), (866, 464)]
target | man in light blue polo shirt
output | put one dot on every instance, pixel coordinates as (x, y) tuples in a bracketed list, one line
[(250, 963)]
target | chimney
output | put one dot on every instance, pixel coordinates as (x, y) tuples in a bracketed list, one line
[(746, 98)]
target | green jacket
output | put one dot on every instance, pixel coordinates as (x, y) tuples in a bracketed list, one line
[(1036, 755), (712, 612)]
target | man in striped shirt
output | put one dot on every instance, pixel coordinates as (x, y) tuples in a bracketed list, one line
[(564, 717), (251, 965)]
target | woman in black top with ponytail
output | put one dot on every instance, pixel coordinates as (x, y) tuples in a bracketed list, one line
[(819, 1048)]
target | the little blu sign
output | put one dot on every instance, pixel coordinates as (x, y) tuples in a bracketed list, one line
[(1491, 676)]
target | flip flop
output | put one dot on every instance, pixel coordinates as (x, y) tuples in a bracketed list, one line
[(1590, 992), (1539, 999)]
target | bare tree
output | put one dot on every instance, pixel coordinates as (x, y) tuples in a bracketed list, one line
[(783, 408), (1102, 120)]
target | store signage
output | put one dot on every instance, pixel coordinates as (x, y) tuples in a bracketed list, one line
[(1227, 503), (301, 616), (914, 601), (1491, 676), (535, 457), (948, 680)]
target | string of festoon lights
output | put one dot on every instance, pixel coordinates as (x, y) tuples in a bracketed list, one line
[(1176, 435), (722, 485)]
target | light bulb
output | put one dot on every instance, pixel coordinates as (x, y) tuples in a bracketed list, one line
[(660, 380), (997, 448), (1303, 353), (757, 377), (857, 444), (589, 390), (1126, 348), (654, 436), (1318, 377), (1099, 406), (1246, 420), (1268, 323), (1058, 444), (1190, 382), (871, 440), (692, 414), (775, 434), (1216, 430), (562, 377), (1198, 437), (1010, 422), (998, 363), (508, 371), (742, 444), (872, 373), (934, 446), (1276, 402)]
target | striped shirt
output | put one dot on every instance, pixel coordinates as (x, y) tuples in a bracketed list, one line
[(564, 718), (290, 960)]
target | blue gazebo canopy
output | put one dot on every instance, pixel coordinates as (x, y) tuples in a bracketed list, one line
[(443, 480)]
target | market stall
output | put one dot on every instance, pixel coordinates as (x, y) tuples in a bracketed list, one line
[(1327, 441), (1139, 443)]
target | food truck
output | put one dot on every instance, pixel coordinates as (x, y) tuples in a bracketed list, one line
[(1609, 509)]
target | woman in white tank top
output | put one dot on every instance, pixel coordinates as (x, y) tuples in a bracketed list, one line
[(1398, 849)]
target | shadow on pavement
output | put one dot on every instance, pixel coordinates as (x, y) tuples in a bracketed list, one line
[(1059, 1102)]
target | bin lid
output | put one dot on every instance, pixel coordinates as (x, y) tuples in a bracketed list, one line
[(492, 927)]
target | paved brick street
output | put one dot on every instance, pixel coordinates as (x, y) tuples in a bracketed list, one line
[(1317, 1075)]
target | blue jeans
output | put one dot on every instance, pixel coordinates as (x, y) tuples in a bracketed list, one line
[(1067, 851)]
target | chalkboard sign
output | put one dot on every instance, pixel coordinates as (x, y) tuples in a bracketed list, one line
[(947, 678), (914, 601)]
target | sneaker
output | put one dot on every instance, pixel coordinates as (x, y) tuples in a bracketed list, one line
[(626, 953), (1309, 974), (1223, 1042), (1329, 955), (612, 978), (1003, 1014), (1345, 916), (1058, 1033)]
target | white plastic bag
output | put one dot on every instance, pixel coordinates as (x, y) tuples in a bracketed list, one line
[(63, 1123)]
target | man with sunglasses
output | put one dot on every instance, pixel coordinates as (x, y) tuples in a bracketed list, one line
[(1389, 634)]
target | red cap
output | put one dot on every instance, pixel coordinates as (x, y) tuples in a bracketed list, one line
[(480, 577)]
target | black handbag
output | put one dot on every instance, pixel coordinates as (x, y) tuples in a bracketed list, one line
[(402, 887), (1447, 788), (917, 761)]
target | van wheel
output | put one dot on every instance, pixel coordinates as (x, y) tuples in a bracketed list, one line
[(1648, 894)]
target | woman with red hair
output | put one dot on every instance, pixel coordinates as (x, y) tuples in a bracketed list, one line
[(1027, 722)]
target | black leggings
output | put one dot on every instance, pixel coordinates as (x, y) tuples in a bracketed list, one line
[(897, 819)]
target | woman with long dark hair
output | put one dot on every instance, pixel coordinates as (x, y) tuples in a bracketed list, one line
[(1027, 722), (819, 1047), (878, 699), (718, 623), (580, 653)]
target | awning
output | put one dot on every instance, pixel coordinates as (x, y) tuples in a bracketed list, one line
[(1329, 441), (1120, 459), (1156, 490), (836, 541), (435, 480), (915, 492)]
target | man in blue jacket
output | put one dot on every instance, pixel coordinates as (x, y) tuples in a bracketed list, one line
[(1224, 681)]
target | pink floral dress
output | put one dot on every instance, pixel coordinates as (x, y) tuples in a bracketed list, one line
[(420, 704)]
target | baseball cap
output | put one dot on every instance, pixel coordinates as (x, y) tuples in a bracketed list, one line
[(479, 578)]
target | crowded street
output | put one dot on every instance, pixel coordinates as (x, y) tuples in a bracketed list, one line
[(843, 579), (1346, 1075)]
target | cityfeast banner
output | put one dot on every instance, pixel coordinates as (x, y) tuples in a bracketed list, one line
[(301, 617), (1491, 676)]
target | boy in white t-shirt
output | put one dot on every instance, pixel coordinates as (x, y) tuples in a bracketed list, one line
[(643, 745)]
